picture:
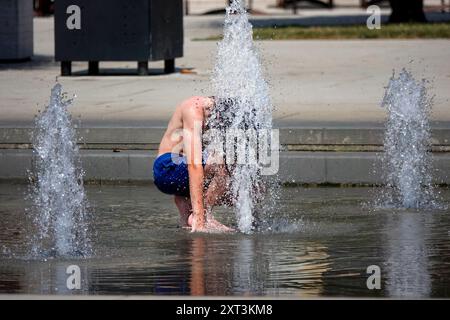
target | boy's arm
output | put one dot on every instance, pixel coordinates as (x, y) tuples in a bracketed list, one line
[(192, 140)]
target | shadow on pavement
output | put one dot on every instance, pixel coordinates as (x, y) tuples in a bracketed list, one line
[(36, 62)]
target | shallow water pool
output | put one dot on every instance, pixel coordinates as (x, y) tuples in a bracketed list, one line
[(321, 243)]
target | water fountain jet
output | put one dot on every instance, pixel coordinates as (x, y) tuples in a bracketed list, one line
[(238, 76), (60, 210), (406, 161)]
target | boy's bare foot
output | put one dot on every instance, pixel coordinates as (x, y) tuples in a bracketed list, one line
[(189, 221), (212, 225), (215, 225)]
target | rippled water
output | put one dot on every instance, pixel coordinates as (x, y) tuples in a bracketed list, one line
[(321, 244)]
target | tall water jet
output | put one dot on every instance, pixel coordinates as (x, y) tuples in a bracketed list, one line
[(60, 210), (406, 161), (242, 98)]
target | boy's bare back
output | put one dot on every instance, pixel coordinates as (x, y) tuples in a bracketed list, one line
[(172, 140)]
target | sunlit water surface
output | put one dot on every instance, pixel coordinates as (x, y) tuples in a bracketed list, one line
[(322, 242)]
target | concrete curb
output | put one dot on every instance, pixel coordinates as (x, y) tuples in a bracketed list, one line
[(332, 155), (152, 135), (299, 167)]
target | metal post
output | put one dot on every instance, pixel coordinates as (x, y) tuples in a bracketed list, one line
[(294, 7), (93, 68), (186, 7), (169, 66), (66, 68), (143, 68)]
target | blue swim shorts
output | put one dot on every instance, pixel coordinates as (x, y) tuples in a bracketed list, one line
[(170, 174)]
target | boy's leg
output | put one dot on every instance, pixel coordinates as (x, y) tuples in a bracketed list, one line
[(213, 196), (217, 188), (215, 193), (185, 208)]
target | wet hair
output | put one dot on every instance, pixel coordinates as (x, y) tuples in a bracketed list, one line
[(222, 114)]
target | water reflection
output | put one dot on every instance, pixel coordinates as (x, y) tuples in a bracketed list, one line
[(41, 277), (140, 251), (197, 282), (407, 254), (256, 266)]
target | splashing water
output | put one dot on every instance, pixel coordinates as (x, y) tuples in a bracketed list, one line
[(60, 210), (238, 78), (407, 163)]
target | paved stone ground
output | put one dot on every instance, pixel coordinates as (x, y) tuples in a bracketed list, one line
[(312, 82)]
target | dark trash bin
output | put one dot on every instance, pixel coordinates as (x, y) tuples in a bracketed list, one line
[(118, 30), (16, 30)]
